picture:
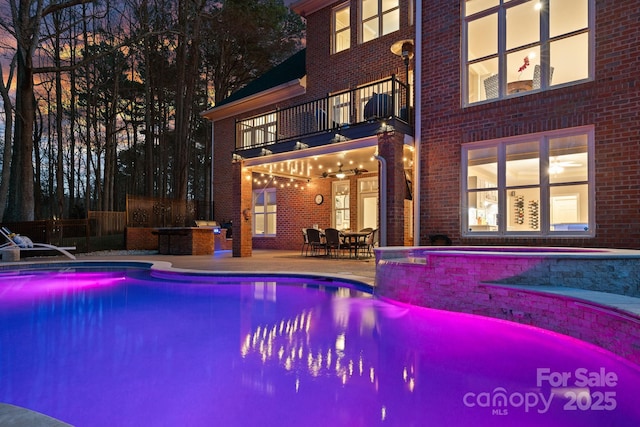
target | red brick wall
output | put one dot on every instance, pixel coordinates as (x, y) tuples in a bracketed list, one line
[(610, 102), (140, 238), (361, 63), (390, 148)]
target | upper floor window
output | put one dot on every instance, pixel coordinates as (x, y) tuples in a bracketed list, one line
[(341, 28), (256, 131), (515, 46), (379, 17), (530, 185)]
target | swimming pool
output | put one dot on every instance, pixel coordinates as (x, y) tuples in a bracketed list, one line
[(139, 347)]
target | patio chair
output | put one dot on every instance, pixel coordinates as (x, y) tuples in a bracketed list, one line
[(305, 243), (369, 241), (334, 242), (315, 241), (23, 243)]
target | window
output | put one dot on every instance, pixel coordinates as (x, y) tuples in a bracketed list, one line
[(530, 185), (379, 17), (257, 131), (517, 46), (368, 203), (264, 212), (341, 28), (341, 205)]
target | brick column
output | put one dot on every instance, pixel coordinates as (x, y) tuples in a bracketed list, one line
[(390, 147), (242, 239)]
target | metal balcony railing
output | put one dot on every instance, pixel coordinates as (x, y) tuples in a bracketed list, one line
[(382, 99)]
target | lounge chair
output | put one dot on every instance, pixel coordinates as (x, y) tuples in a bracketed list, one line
[(23, 243)]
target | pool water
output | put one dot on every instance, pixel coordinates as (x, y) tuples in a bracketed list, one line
[(133, 347)]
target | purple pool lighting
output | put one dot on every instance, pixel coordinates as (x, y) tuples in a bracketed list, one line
[(134, 347)]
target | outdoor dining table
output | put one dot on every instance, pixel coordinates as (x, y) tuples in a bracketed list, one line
[(355, 240)]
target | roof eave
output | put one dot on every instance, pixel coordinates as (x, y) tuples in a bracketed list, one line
[(307, 7), (270, 96)]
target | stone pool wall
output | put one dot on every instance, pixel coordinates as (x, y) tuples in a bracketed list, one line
[(485, 281)]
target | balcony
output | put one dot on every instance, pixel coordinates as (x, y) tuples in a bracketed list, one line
[(351, 114)]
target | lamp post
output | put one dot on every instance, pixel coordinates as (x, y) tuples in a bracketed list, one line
[(404, 49)]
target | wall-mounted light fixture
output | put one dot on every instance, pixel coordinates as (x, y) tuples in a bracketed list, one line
[(338, 138), (385, 129), (265, 152), (236, 158), (300, 145)]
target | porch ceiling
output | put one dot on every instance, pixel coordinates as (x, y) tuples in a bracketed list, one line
[(321, 162)]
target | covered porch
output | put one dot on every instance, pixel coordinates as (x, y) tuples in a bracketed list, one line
[(358, 178)]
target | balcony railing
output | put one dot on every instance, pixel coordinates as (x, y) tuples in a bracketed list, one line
[(383, 99)]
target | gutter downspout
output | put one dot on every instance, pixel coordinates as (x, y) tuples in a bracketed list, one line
[(417, 120), (383, 200), (211, 217)]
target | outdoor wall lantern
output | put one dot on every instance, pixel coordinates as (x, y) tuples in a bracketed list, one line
[(300, 145), (385, 129)]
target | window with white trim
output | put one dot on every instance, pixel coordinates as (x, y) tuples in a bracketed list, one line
[(264, 212), (257, 131), (341, 28), (378, 18), (518, 46), (530, 185), (341, 218)]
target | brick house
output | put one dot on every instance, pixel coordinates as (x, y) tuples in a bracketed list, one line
[(524, 130), (297, 147)]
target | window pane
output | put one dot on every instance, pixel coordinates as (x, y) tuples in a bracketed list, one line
[(483, 211), (343, 41), (482, 37), (391, 22), (389, 4), (523, 25), (522, 68), (523, 210), (569, 208), (259, 198), (342, 19), (271, 224), (370, 30), (523, 164), (369, 8), (568, 159), (483, 168), (483, 80), (271, 198), (259, 223), (566, 16), (473, 6), (570, 59)]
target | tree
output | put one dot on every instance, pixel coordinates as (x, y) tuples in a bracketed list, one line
[(26, 23)]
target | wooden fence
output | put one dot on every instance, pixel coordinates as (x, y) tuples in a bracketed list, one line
[(104, 223)]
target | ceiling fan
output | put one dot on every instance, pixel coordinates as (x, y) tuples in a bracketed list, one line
[(556, 167), (340, 174)]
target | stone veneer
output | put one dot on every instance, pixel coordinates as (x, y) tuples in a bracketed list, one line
[(486, 280)]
